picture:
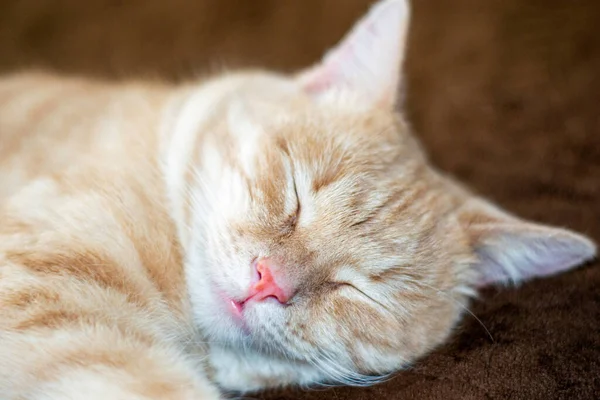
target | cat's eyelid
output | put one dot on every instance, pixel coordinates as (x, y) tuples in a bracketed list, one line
[(340, 284), (337, 285), (292, 200), (298, 205), (294, 214)]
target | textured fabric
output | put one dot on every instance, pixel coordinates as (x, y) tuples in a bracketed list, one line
[(505, 95)]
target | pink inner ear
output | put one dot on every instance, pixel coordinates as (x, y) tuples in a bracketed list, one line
[(318, 80), (368, 59), (330, 72), (529, 253)]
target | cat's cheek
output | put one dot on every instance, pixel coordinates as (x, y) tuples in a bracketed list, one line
[(206, 306), (213, 313)]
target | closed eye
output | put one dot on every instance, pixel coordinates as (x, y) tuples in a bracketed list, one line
[(289, 225), (339, 285), (294, 217)]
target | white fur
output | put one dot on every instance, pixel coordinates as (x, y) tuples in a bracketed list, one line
[(247, 132), (196, 109)]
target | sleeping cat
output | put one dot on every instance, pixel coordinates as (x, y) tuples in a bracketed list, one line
[(248, 231)]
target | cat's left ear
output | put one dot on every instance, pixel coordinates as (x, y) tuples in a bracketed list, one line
[(368, 61), (511, 250)]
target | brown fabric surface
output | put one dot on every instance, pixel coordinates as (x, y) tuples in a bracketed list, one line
[(505, 94)]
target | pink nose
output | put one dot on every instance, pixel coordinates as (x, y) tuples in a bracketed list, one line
[(268, 285)]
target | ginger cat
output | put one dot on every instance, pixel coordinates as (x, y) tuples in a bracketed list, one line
[(251, 230)]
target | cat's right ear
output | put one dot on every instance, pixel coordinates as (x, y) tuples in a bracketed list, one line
[(368, 61), (511, 250)]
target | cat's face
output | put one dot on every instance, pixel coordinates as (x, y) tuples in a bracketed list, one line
[(316, 232), (355, 227)]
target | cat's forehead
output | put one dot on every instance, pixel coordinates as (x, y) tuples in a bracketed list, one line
[(278, 102), (265, 106)]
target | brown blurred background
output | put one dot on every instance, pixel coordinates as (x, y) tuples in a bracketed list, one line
[(505, 94)]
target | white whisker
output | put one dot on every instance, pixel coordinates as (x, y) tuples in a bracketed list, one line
[(465, 308)]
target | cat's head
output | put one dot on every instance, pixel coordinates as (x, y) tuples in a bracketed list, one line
[(316, 233)]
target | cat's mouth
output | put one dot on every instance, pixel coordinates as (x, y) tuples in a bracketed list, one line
[(264, 286), (234, 308)]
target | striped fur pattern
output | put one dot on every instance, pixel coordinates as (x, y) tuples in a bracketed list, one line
[(130, 214)]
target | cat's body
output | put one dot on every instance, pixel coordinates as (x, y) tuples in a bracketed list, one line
[(75, 235), (250, 231)]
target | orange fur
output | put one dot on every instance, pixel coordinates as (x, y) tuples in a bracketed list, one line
[(131, 212)]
